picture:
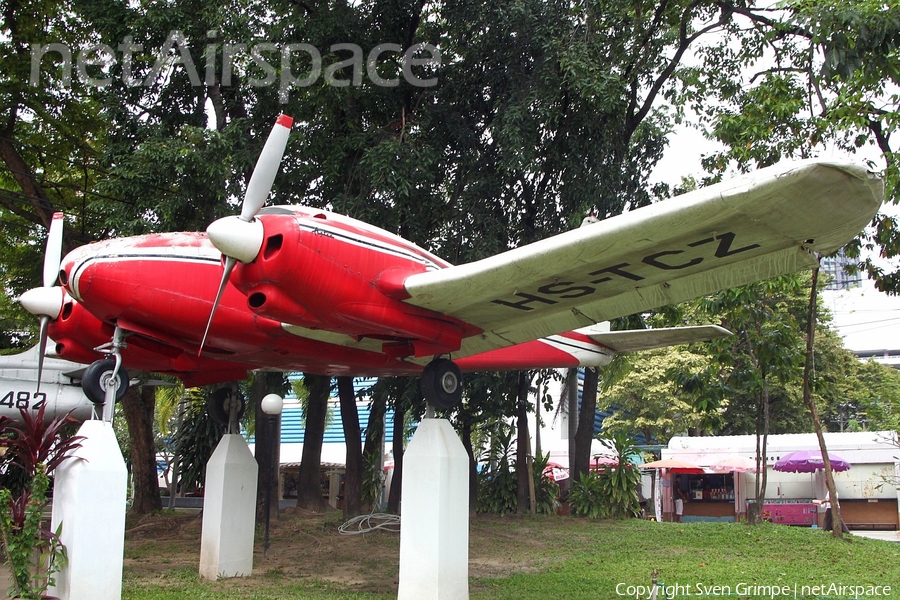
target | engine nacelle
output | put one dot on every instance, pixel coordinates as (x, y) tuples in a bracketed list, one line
[(270, 301)]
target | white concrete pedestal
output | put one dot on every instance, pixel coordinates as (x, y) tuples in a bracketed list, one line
[(89, 495), (229, 511), (434, 532)]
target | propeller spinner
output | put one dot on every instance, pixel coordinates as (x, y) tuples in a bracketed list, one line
[(46, 302), (239, 238)]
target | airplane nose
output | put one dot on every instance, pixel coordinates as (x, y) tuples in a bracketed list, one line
[(237, 238), (44, 301)]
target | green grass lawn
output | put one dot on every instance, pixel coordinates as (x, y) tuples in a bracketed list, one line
[(561, 557)]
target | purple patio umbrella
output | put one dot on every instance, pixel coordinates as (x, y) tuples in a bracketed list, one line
[(808, 461)]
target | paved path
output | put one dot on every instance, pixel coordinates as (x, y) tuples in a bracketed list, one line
[(891, 536)]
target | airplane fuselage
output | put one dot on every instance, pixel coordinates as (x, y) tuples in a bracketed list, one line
[(324, 296)]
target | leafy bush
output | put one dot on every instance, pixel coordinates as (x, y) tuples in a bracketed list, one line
[(498, 484), (33, 552), (586, 498), (612, 492), (372, 484), (546, 490)]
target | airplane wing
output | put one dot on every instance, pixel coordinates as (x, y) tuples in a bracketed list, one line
[(758, 226)]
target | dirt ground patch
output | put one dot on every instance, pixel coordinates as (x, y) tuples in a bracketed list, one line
[(308, 544)]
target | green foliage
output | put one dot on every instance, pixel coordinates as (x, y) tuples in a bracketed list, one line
[(372, 479), (755, 375), (33, 552), (876, 398), (498, 483), (611, 493), (195, 440), (650, 400), (496, 492), (586, 497), (546, 490), (802, 81)]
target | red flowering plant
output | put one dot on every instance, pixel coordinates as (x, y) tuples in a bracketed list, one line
[(36, 448)]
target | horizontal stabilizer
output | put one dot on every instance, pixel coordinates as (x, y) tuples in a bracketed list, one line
[(634, 340)]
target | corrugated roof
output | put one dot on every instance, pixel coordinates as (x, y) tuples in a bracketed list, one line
[(292, 429)]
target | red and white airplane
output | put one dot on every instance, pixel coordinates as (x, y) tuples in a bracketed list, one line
[(305, 289)]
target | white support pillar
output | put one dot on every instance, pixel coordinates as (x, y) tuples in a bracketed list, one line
[(89, 494), (229, 511), (434, 533)]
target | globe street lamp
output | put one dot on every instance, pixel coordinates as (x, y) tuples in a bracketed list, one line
[(271, 405)]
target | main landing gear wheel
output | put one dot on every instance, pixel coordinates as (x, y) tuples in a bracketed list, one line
[(442, 383), (218, 405), (96, 379)]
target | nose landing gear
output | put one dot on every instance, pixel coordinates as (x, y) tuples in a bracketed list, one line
[(105, 381), (99, 376)]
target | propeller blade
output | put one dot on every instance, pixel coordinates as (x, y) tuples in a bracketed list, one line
[(267, 166), (229, 265), (239, 239), (42, 350), (46, 302), (53, 253)]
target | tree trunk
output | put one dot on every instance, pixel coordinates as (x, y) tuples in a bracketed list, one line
[(465, 435), (375, 428), (138, 406), (395, 496), (373, 450), (309, 487), (42, 208), (353, 440), (523, 446), (572, 412), (585, 432), (754, 515), (837, 523)]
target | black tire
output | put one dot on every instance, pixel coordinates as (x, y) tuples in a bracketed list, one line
[(93, 382), (217, 406), (442, 384)]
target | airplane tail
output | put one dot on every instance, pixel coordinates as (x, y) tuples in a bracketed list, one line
[(634, 340), (593, 346)]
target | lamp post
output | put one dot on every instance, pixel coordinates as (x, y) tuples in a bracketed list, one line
[(271, 405)]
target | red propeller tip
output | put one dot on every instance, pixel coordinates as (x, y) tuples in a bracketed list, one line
[(285, 121)]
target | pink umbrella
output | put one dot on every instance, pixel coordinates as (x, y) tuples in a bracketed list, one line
[(808, 461), (736, 464), (598, 462)]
